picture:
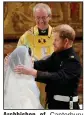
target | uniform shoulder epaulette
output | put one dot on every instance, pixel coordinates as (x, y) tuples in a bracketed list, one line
[(72, 56)]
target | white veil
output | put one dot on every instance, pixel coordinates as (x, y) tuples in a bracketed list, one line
[(20, 91)]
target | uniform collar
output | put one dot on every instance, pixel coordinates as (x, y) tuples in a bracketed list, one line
[(66, 52)]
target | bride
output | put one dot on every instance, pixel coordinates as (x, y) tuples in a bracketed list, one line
[(20, 92)]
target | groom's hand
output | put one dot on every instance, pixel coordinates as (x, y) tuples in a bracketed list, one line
[(21, 69)]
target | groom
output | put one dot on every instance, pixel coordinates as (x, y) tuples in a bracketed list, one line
[(61, 71)]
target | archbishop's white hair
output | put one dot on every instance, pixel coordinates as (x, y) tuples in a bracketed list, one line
[(42, 6)]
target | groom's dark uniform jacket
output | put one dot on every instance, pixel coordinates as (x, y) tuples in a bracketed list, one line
[(61, 73)]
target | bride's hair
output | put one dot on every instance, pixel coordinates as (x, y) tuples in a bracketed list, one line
[(29, 51)]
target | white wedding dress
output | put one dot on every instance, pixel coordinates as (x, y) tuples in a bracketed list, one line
[(20, 91)]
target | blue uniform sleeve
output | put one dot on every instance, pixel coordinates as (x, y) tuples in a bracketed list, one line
[(70, 70)]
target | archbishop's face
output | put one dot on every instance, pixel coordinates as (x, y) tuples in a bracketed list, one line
[(41, 18)]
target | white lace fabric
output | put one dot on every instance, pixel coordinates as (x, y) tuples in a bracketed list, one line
[(20, 91)]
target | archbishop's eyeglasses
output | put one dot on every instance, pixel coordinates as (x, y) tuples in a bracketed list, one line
[(43, 17)]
